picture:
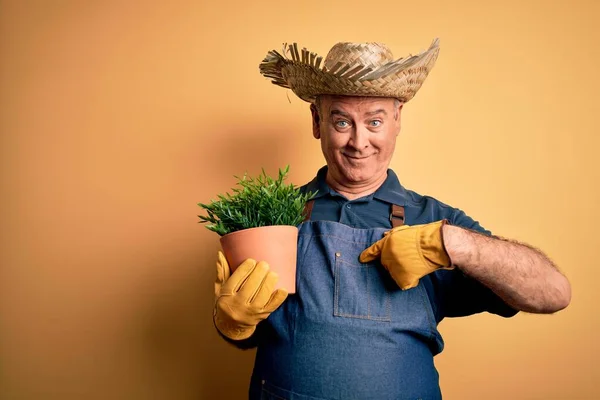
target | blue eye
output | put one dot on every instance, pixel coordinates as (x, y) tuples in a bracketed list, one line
[(342, 124), (375, 123)]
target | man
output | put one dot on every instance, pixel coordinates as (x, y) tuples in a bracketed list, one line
[(379, 266)]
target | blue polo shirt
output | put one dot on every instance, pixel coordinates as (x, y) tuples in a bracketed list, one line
[(452, 293)]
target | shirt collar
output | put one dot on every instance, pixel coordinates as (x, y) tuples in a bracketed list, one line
[(391, 191)]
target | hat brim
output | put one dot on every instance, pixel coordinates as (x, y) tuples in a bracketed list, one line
[(302, 73)]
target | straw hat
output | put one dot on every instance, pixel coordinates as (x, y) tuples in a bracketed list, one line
[(350, 69)]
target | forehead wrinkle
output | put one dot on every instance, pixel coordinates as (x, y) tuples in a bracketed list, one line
[(379, 111), (335, 111), (335, 105)]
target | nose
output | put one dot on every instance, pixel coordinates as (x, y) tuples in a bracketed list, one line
[(359, 139)]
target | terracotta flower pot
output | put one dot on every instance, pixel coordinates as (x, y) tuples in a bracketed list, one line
[(277, 245)]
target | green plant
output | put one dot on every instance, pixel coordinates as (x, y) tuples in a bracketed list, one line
[(260, 201)]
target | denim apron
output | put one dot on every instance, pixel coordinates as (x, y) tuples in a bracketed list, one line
[(348, 332)]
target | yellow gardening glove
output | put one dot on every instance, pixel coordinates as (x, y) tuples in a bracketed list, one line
[(410, 252), (244, 298)]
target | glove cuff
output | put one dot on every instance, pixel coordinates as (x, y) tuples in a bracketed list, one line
[(431, 243), (232, 329)]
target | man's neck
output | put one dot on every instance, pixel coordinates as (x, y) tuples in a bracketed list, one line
[(355, 190)]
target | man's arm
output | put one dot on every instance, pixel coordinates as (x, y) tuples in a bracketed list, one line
[(519, 274)]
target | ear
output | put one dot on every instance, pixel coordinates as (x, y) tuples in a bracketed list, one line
[(399, 114), (316, 122)]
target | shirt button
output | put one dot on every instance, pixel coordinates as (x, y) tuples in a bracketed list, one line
[(348, 206)]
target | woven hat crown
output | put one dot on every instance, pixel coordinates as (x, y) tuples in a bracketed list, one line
[(370, 55)]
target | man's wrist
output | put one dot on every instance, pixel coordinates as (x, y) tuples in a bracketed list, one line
[(458, 244)]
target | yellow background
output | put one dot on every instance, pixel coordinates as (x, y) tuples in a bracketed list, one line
[(116, 118)]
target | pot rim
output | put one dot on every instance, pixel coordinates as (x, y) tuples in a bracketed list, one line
[(273, 227)]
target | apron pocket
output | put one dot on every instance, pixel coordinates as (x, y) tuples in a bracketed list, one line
[(360, 291)]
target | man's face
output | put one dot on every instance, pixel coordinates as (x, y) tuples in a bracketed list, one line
[(358, 136)]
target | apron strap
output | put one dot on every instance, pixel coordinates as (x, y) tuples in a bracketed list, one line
[(308, 210), (397, 216)]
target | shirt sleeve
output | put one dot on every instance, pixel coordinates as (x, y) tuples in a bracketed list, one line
[(460, 295)]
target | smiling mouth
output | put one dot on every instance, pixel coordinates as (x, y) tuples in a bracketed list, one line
[(356, 158)]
